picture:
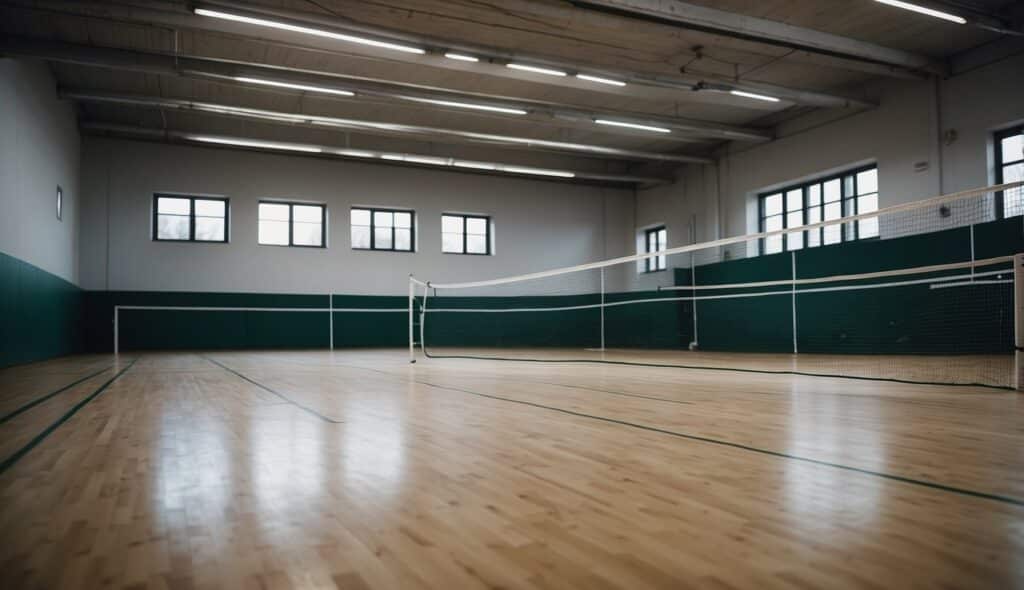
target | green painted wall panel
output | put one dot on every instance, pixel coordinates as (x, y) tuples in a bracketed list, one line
[(39, 313)]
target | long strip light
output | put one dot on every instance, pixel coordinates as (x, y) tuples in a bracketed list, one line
[(923, 10), (600, 80), (633, 125), (535, 69), (461, 57), (306, 87), (467, 105), (256, 144), (753, 95), (537, 171), (262, 22)]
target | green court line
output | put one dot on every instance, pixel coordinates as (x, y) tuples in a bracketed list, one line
[(715, 441), (278, 394), (42, 399), (10, 461)]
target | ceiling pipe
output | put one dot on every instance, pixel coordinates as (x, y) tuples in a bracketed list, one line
[(376, 156), (324, 122)]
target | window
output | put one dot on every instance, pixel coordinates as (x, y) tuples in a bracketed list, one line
[(850, 193), (291, 224), (60, 203), (655, 240), (382, 229), (181, 218), (1009, 147), (465, 234)]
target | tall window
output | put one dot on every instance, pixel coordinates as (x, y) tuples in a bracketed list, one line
[(182, 218), (292, 224), (655, 240), (1010, 168), (382, 229), (850, 193), (465, 234)]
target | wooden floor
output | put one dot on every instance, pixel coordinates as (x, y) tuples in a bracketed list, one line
[(357, 470)]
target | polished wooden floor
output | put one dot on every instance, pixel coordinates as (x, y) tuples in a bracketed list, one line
[(357, 470)]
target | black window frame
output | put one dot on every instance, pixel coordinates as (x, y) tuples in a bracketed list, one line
[(847, 205), (997, 147), (373, 229), (465, 234), (191, 217), (291, 223), (656, 260)]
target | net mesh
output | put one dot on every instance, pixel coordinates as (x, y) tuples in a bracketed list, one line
[(921, 292)]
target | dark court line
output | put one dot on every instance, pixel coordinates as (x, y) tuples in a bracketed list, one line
[(276, 393), (10, 461), (42, 399)]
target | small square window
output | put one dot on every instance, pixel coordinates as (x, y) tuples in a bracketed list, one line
[(182, 218), (656, 240), (383, 229), (292, 224), (60, 204), (465, 234)]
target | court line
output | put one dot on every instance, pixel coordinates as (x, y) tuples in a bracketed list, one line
[(278, 394), (10, 461), (879, 474), (42, 399)]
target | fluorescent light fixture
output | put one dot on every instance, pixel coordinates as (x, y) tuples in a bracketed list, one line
[(256, 144), (357, 154), (474, 165), (922, 10), (535, 69), (763, 97), (295, 86), (537, 171), (308, 31), (461, 56), (394, 157), (633, 126), (467, 105), (427, 160), (600, 80)]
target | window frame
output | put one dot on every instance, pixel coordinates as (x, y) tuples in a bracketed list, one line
[(647, 249), (291, 223), (373, 229), (847, 207), (191, 217), (997, 147), (465, 234)]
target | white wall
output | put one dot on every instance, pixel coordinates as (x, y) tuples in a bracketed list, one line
[(39, 150), (538, 224), (902, 131)]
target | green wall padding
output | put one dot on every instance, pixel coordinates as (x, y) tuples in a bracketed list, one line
[(39, 313)]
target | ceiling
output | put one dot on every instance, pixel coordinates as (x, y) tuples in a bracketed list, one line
[(156, 69)]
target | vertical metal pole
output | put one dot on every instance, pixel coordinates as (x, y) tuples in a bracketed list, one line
[(1018, 321), (693, 293), (116, 331), (972, 251), (330, 306), (793, 297), (412, 297), (602, 308)]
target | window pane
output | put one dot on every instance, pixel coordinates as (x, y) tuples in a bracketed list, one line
[(273, 212), (383, 219), (867, 182), (209, 208), (382, 237), (773, 204), (475, 225), (833, 233), (307, 234), (833, 211), (209, 229), (1013, 148), (172, 227), (1013, 199), (848, 186), (360, 236), (173, 206), (403, 219), (451, 243), (773, 223), (308, 213), (814, 215), (451, 224), (661, 262), (867, 203), (868, 228), (795, 241), (773, 245), (795, 219), (273, 233), (794, 200), (403, 239), (360, 217), (832, 192), (662, 239), (814, 194), (476, 244)]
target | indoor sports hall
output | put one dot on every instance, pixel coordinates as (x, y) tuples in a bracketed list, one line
[(529, 294)]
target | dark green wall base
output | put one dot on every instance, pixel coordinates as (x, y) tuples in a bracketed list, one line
[(39, 313)]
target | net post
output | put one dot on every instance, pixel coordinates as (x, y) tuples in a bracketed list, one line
[(117, 310), (1018, 322), (602, 309), (412, 297), (793, 297), (330, 307)]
